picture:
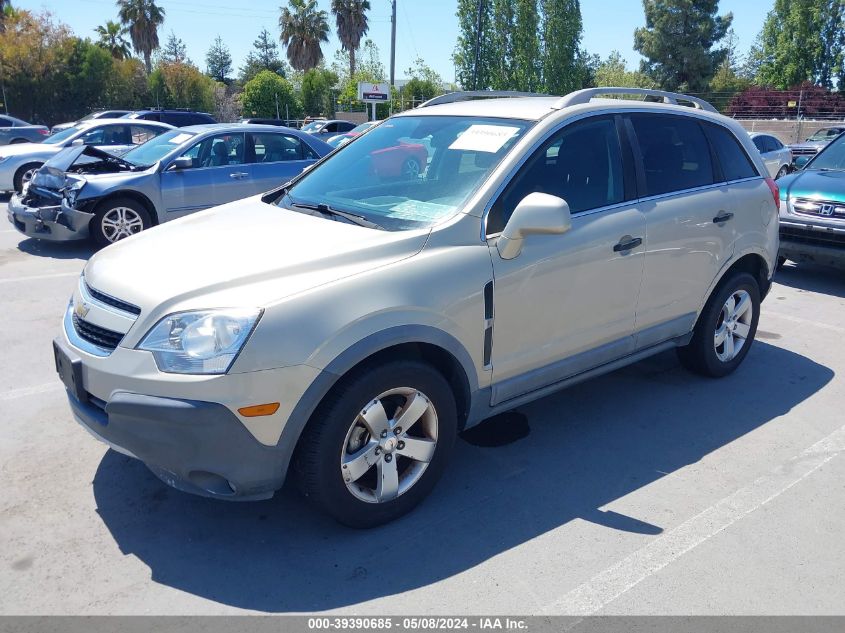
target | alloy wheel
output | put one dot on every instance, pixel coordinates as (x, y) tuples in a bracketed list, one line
[(121, 222), (733, 326), (389, 445)]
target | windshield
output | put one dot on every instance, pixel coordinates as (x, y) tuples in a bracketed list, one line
[(824, 134), (411, 171), (64, 135), (831, 157), (157, 148), (314, 125), (88, 117), (362, 127)]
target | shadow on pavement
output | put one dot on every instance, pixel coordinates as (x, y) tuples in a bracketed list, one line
[(585, 450), (78, 249), (813, 278)]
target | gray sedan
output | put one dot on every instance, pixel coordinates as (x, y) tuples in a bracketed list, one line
[(86, 191), (14, 131), (19, 162)]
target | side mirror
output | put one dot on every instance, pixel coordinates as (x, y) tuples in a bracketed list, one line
[(77, 142), (536, 214), (183, 162)]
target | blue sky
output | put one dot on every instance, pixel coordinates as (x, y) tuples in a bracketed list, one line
[(425, 28)]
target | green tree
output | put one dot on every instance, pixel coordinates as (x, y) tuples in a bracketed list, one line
[(563, 65), (182, 85), (303, 28), (142, 18), (418, 90), (219, 61), (351, 19), (613, 72), (503, 25), (317, 91), (678, 42), (263, 56), (174, 50), (467, 74), (112, 39), (263, 92), (801, 40), (527, 57)]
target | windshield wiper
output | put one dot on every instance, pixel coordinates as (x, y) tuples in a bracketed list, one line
[(325, 209)]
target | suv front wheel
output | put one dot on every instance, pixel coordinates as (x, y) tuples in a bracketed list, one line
[(378, 443), (725, 329)]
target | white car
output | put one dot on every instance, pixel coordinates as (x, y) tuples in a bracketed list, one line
[(19, 162), (776, 155), (346, 326)]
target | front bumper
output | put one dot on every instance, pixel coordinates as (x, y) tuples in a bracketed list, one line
[(60, 223), (802, 242)]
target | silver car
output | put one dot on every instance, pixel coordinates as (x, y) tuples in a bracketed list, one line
[(13, 131), (776, 155), (86, 191), (19, 162), (351, 323), (98, 114)]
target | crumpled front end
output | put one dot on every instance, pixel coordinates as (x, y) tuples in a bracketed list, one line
[(56, 221)]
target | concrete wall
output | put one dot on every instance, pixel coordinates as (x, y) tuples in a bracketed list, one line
[(786, 131)]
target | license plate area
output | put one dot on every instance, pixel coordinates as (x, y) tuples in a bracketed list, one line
[(70, 372)]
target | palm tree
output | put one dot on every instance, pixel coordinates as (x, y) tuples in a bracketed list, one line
[(351, 16), (142, 19), (5, 10), (303, 28), (112, 39)]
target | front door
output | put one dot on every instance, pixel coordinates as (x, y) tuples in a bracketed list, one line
[(567, 303)]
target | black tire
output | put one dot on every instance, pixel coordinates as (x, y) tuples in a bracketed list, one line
[(783, 171), (100, 235), (318, 454), (17, 181), (700, 355), (17, 141)]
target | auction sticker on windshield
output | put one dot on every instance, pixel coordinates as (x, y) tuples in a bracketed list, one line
[(484, 138), (180, 138)]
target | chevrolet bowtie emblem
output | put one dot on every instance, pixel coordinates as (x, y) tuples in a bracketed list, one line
[(81, 309)]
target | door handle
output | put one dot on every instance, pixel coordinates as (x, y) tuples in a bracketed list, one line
[(723, 216), (238, 175), (627, 243)]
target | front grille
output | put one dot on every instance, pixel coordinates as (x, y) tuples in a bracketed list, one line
[(111, 301), (814, 237), (804, 151), (819, 208), (96, 335)]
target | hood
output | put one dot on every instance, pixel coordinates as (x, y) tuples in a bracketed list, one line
[(22, 149), (808, 145), (824, 185), (60, 171), (82, 154), (246, 253)]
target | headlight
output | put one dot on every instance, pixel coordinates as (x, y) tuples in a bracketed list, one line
[(72, 191), (200, 341)]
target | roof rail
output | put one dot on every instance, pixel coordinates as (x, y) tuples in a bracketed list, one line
[(452, 97), (584, 96)]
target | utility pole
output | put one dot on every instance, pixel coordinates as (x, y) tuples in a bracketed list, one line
[(478, 26), (392, 52)]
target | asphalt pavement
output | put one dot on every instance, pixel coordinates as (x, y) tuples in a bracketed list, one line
[(646, 491)]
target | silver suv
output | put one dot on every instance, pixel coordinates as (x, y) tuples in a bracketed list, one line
[(347, 326)]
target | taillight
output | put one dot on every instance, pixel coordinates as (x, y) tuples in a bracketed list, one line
[(773, 187), (44, 132)]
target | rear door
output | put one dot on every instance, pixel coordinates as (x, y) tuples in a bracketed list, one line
[(689, 222), (6, 126), (275, 158), (218, 175)]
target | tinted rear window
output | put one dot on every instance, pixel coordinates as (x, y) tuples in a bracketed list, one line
[(675, 153), (732, 158)]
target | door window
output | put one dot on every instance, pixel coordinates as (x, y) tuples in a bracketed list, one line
[(142, 133), (217, 151), (582, 163), (6, 122), (733, 160), (108, 135), (675, 153), (268, 147)]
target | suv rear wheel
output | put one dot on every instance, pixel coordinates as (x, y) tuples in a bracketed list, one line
[(725, 329), (378, 443)]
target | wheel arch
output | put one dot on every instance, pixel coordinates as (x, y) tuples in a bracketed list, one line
[(751, 262), (439, 349), (137, 196)]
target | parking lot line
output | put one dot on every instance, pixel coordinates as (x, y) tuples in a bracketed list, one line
[(23, 392), (606, 586), (803, 321), (38, 277)]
